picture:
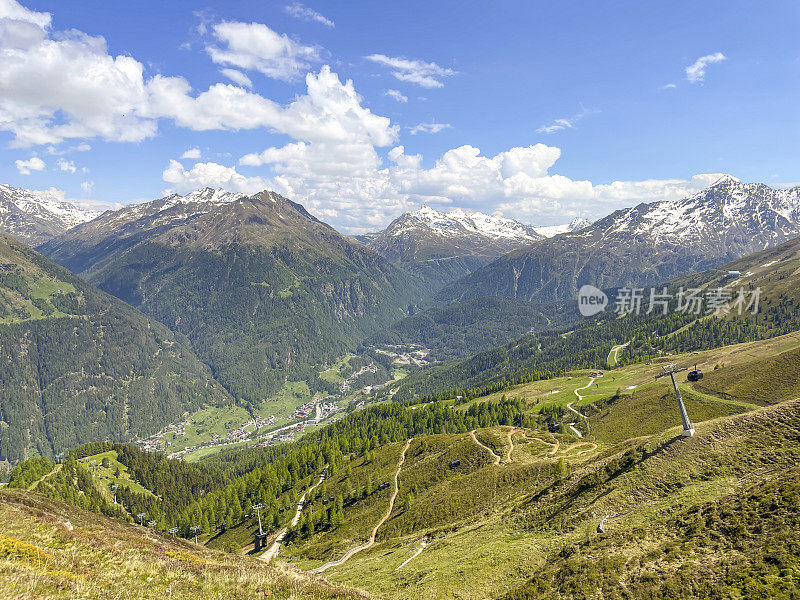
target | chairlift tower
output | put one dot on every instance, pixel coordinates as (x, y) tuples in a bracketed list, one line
[(141, 517), (258, 542), (671, 369), (195, 529), (173, 531), (114, 487)]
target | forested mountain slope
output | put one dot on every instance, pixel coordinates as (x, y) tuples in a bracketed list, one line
[(485, 498), (78, 365), (462, 329), (642, 245), (263, 290)]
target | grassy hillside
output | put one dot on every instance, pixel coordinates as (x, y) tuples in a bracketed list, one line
[(517, 516), (527, 527), (52, 550), (78, 365)]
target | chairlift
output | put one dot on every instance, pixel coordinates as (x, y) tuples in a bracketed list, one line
[(695, 375)]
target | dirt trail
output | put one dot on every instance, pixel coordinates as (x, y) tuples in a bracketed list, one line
[(485, 447), (352, 551), (615, 351), (273, 550), (556, 445), (55, 470), (413, 556), (510, 447), (576, 444)]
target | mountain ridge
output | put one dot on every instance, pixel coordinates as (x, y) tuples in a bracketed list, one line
[(443, 246), (260, 287), (648, 243), (79, 365)]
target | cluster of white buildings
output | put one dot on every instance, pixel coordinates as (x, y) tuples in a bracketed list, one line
[(344, 387), (405, 355)]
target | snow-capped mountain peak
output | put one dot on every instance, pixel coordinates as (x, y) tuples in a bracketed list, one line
[(205, 196), (459, 222), (576, 224), (34, 216)]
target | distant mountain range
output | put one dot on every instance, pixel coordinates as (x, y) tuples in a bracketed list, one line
[(262, 290), (642, 245), (444, 246), (34, 217)]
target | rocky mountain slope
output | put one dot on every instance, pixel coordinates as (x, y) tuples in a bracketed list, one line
[(445, 246), (78, 365), (643, 245), (36, 216), (263, 290)]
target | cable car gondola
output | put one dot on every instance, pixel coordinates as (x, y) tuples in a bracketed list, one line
[(695, 375)]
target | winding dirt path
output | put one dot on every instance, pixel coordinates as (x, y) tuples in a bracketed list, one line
[(55, 470), (485, 447), (371, 541), (576, 444), (556, 445), (615, 351)]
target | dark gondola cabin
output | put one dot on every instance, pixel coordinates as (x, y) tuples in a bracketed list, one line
[(454, 463), (695, 375)]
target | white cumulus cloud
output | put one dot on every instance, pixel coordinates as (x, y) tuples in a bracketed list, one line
[(396, 95), (256, 47), (211, 175), (192, 154), (68, 166), (429, 128), (237, 76), (33, 164), (696, 72)]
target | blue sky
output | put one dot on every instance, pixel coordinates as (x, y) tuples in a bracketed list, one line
[(540, 110)]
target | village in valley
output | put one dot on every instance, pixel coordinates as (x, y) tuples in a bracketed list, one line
[(283, 418)]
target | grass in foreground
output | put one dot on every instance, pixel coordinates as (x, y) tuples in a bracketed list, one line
[(51, 550)]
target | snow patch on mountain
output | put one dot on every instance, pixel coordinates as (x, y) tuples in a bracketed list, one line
[(552, 230), (35, 216)]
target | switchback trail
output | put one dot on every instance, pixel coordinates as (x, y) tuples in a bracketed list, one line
[(556, 445), (276, 545), (577, 393), (352, 551), (485, 447)]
